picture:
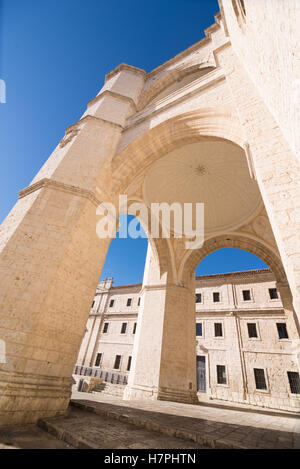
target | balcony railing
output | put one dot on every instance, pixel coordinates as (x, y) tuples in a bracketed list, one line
[(108, 376)]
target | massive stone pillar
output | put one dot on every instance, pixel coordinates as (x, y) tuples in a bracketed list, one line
[(164, 354), (51, 257), (273, 163)]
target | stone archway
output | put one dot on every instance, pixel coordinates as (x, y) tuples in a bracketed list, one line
[(51, 257), (246, 243)]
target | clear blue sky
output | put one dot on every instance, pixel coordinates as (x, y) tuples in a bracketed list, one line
[(53, 57)]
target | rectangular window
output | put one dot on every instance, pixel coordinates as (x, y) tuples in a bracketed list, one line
[(216, 296), (134, 328), (252, 331), (260, 380), (198, 297), (273, 293), (93, 304), (117, 362), (124, 327), (105, 327), (282, 330), (221, 374), (139, 302), (129, 364), (294, 381), (218, 329), (129, 301), (111, 303), (199, 329), (246, 295), (98, 359)]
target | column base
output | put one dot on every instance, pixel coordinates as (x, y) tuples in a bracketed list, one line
[(160, 394), (26, 398)]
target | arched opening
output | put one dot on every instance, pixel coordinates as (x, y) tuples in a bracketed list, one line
[(106, 350), (243, 331)]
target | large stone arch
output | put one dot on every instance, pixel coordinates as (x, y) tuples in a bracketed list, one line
[(217, 123), (193, 258)]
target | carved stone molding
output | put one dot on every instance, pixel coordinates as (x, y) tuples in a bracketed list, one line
[(46, 182)]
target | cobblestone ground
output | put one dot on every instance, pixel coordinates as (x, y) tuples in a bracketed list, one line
[(30, 437), (239, 427), (88, 428)]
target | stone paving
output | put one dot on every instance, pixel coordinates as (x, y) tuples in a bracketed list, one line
[(212, 427), (87, 430), (29, 437)]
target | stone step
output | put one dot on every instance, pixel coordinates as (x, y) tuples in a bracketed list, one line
[(83, 429), (110, 389)]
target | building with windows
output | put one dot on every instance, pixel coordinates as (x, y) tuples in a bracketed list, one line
[(244, 339)]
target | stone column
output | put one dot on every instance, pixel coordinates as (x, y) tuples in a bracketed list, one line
[(275, 165), (164, 353), (51, 257)]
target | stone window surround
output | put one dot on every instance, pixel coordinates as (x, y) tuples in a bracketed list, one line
[(201, 300), (220, 297), (273, 299), (126, 330), (256, 322), (120, 363), (291, 394), (200, 336), (287, 339), (219, 337), (261, 391), (220, 385), (251, 295), (108, 324)]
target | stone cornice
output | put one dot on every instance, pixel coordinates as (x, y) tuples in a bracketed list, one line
[(126, 67), (219, 49), (115, 95), (92, 118), (57, 185), (204, 41), (153, 110), (279, 311)]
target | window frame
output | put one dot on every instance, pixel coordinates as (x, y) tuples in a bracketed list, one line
[(130, 302), (265, 390), (273, 299), (257, 330), (286, 330), (250, 293), (104, 324), (293, 394), (201, 298), (134, 328), (226, 385), (100, 361), (126, 328), (114, 367), (219, 293), (129, 362), (223, 330), (111, 303), (202, 329)]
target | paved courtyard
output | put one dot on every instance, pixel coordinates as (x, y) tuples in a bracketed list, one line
[(99, 421), (209, 426)]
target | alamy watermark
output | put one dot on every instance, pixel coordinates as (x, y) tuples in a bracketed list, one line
[(2, 91), (159, 220), (2, 351)]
